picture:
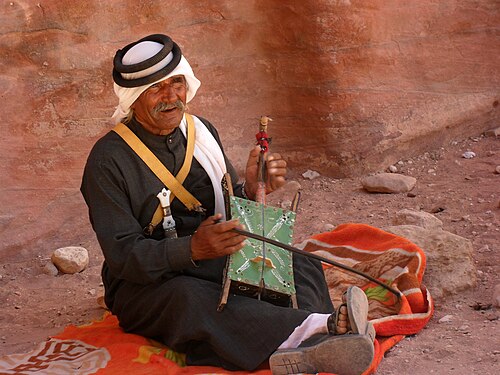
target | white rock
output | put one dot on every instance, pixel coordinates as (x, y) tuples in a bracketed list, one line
[(393, 169), (468, 154), (71, 259), (311, 175)]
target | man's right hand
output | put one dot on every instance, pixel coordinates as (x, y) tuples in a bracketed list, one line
[(214, 239)]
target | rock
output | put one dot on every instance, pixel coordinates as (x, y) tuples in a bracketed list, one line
[(327, 227), (445, 319), (311, 175), (101, 302), (496, 296), (411, 195), (71, 259), (450, 266), (492, 132), (388, 183), (393, 169), (419, 218), (497, 169), (50, 269), (469, 154), (285, 194)]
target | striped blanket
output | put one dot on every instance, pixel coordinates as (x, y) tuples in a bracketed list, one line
[(101, 347)]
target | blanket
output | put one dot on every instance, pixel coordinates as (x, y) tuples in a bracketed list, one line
[(102, 347)]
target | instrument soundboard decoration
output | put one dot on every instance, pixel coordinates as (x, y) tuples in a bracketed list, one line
[(260, 270)]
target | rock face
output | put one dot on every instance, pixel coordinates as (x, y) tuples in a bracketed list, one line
[(450, 266), (351, 86)]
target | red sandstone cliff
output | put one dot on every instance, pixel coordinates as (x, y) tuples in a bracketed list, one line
[(352, 86)]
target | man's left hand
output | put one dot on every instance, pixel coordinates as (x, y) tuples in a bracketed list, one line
[(276, 172)]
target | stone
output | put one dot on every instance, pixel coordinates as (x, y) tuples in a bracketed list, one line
[(496, 296), (327, 227), (310, 175), (492, 132), (497, 169), (419, 218), (450, 265), (388, 183), (469, 154), (393, 169), (445, 319), (71, 259), (284, 196), (50, 269)]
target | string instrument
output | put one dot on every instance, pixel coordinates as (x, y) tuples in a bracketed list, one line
[(260, 270)]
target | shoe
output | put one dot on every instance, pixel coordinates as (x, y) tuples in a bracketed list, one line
[(357, 313), (339, 354)]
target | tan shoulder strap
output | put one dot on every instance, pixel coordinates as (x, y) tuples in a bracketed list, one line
[(172, 183)]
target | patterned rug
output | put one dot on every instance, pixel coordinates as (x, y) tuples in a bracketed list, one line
[(102, 347)]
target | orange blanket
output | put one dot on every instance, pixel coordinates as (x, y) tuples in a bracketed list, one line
[(103, 348)]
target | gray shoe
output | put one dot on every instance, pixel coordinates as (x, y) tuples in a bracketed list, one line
[(342, 354)]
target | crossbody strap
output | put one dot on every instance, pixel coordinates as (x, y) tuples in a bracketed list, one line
[(173, 183)]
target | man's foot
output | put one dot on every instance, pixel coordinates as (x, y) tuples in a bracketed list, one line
[(344, 355), (352, 315)]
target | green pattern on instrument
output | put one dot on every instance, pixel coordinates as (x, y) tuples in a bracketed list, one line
[(246, 265)]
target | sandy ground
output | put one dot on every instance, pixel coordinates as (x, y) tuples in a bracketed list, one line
[(34, 305)]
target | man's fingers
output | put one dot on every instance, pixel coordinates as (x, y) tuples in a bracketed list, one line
[(253, 156)]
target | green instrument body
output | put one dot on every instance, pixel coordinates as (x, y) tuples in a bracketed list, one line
[(262, 270)]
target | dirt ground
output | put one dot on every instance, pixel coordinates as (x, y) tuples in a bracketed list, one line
[(466, 192)]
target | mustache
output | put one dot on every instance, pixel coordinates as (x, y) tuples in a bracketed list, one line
[(161, 106)]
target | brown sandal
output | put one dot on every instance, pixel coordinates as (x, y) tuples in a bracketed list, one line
[(356, 304)]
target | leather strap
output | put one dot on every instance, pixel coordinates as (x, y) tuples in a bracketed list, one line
[(174, 184)]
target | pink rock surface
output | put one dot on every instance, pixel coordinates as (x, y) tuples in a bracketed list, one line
[(352, 87)]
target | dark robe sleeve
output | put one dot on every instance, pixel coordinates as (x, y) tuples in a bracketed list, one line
[(128, 253)]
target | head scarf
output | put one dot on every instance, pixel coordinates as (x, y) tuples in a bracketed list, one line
[(141, 64)]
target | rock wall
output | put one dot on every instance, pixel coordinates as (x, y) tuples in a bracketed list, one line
[(352, 86)]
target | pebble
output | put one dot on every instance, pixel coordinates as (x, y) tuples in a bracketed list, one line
[(497, 169), (311, 175), (393, 169), (445, 319), (50, 269), (496, 295), (400, 162), (464, 328), (469, 154), (431, 171), (411, 195)]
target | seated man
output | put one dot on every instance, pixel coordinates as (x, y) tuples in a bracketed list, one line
[(167, 287)]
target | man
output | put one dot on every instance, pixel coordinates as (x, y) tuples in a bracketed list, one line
[(167, 287)]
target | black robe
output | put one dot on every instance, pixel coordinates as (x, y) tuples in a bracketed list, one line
[(150, 282)]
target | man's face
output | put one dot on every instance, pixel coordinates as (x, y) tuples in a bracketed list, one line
[(160, 108)]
